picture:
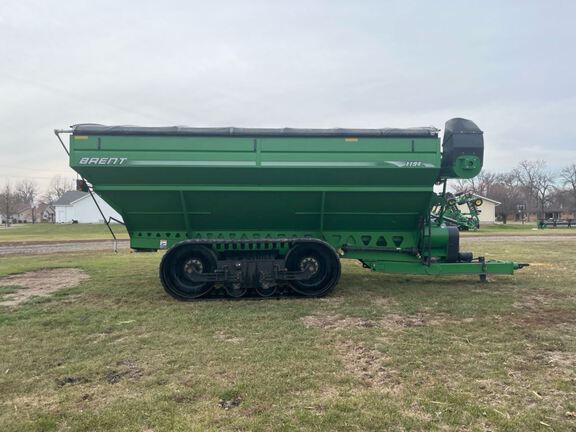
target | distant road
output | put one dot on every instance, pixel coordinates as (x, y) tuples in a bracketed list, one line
[(36, 248)]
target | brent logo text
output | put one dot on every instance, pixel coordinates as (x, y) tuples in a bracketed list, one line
[(102, 161)]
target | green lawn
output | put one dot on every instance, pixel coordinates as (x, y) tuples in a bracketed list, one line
[(51, 232), (382, 353), (520, 229)]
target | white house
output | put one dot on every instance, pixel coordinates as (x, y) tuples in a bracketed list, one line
[(46, 213), (487, 214), (76, 206), (24, 213)]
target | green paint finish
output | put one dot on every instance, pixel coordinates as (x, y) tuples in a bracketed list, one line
[(150, 239), (366, 192), (262, 183), (467, 167), (490, 267)]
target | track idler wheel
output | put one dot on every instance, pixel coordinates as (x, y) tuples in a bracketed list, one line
[(324, 264), (235, 290), (182, 261), (268, 291)]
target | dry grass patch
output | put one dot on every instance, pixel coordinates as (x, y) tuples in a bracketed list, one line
[(368, 365), (26, 402), (389, 322), (562, 359), (336, 322), (223, 336), (40, 283)]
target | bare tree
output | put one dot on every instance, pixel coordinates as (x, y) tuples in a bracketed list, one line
[(524, 174), (7, 204), (461, 185), (479, 185), (27, 192), (537, 183), (568, 177), (505, 190), (58, 187)]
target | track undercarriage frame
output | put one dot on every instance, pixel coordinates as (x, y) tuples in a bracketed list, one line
[(191, 269)]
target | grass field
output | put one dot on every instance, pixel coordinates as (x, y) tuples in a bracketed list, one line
[(515, 229), (382, 353), (64, 232)]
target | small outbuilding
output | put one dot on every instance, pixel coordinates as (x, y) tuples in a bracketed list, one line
[(79, 207), (487, 214)]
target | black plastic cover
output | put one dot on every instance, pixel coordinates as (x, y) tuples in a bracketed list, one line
[(461, 137), (97, 129)]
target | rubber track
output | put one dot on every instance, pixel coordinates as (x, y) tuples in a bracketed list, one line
[(283, 291)]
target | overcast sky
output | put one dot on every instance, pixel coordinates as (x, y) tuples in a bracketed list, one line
[(507, 65)]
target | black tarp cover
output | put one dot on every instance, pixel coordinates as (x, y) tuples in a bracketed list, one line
[(97, 129)]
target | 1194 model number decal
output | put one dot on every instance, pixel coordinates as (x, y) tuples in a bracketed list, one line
[(411, 164)]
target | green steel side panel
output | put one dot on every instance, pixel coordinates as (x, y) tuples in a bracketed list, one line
[(425, 146), (342, 189), (336, 145), (189, 144), (169, 144), (151, 239)]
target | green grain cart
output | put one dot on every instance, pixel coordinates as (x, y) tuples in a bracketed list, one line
[(272, 211)]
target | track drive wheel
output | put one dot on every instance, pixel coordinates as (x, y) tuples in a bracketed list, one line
[(182, 261), (324, 262)]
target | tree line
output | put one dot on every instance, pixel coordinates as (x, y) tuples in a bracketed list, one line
[(27, 195), (531, 187)]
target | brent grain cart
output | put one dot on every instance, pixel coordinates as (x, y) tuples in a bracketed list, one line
[(274, 210)]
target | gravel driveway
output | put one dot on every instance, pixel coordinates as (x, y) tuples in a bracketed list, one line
[(56, 247)]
